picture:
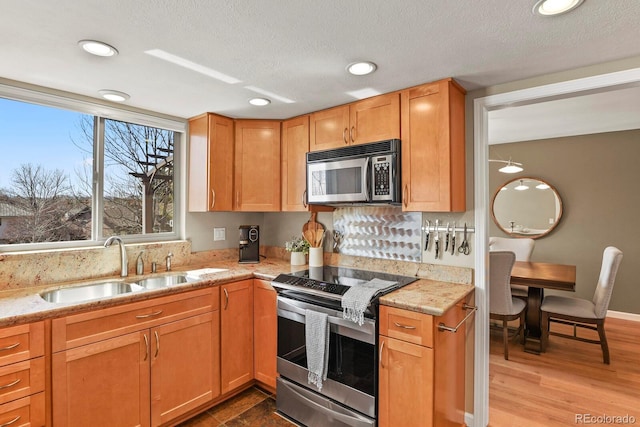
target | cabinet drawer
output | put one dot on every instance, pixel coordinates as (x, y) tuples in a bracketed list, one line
[(18, 343), (406, 325), (85, 328), (28, 411), (21, 379)]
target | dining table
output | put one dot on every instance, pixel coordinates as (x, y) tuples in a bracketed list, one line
[(539, 276)]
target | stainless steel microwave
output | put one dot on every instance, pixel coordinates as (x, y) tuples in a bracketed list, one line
[(357, 174)]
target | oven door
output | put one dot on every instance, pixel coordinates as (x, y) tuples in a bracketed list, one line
[(352, 376), (338, 181)]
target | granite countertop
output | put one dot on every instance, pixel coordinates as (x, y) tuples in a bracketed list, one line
[(24, 305)]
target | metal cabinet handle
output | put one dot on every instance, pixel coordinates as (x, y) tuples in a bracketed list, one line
[(10, 347), (380, 354), (157, 343), (146, 347), (10, 422), (404, 195), (145, 316), (304, 198), (11, 384), (353, 128), (400, 325), (213, 198), (226, 298), (344, 136), (454, 329)]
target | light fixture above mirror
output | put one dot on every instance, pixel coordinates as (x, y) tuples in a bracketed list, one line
[(511, 167)]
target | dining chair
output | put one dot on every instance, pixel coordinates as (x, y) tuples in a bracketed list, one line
[(523, 248), (579, 312), (502, 305)]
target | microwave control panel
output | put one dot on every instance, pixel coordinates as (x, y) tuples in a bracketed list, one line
[(382, 178)]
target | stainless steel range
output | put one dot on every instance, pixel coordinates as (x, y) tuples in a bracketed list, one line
[(348, 395)]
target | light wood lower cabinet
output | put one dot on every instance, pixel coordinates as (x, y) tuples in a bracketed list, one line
[(265, 326), (421, 381), (236, 334), (150, 376), (22, 375)]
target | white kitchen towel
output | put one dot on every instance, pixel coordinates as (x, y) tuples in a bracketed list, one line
[(317, 342), (358, 297)]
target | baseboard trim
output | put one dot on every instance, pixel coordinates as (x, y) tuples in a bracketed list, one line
[(622, 315)]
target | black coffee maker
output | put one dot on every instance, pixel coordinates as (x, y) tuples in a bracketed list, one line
[(249, 244)]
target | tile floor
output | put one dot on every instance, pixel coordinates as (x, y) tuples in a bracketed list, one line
[(253, 407)]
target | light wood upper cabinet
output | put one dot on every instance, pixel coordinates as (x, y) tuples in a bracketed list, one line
[(422, 370), (211, 158), (295, 145), (370, 120), (257, 166), (433, 148), (265, 325), (236, 336)]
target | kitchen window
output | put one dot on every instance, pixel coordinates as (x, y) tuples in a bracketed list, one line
[(74, 173)]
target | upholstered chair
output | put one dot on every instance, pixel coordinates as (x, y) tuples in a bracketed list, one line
[(583, 313), (502, 306), (523, 248)]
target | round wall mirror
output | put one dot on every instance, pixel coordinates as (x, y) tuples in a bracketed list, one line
[(526, 207)]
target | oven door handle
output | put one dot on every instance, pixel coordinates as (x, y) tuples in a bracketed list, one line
[(285, 308)]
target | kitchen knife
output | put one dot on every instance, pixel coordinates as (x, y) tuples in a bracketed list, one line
[(453, 239), (446, 239), (436, 239), (428, 233)]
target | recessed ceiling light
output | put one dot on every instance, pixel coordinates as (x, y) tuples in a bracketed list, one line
[(114, 95), (555, 7), (260, 102), (98, 48), (361, 68)]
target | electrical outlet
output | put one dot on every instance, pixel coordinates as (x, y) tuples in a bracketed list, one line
[(219, 233)]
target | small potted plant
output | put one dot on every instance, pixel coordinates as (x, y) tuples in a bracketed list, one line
[(299, 248)]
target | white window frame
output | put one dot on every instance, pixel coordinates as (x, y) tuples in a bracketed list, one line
[(102, 111)]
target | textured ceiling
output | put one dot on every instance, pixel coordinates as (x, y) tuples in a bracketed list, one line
[(298, 49)]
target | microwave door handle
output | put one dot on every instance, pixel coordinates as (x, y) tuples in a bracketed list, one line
[(369, 195)]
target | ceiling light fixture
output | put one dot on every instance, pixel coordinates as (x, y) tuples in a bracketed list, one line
[(511, 167), (555, 7), (260, 102), (521, 187), (97, 48), (114, 95), (361, 68), (543, 186)]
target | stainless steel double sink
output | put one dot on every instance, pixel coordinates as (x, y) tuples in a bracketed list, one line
[(112, 288)]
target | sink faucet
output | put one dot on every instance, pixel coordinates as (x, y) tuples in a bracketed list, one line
[(123, 254)]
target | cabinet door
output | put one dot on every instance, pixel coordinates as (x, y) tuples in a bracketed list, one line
[(265, 326), (375, 119), (433, 155), (406, 384), (103, 384), (329, 128), (257, 166), (236, 340), (210, 163), (295, 144), (185, 366)]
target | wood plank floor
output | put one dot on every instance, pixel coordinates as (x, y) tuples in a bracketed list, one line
[(567, 382)]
